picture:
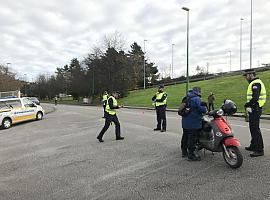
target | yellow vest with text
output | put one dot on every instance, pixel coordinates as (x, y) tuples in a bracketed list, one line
[(159, 96), (262, 98), (108, 109)]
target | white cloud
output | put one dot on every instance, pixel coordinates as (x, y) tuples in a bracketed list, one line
[(38, 36)]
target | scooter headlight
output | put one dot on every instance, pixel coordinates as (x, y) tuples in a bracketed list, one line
[(220, 112)]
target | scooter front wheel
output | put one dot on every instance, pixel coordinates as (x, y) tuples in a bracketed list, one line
[(233, 156)]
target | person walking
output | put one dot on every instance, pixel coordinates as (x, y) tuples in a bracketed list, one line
[(256, 99), (160, 102), (104, 100), (192, 123), (111, 106), (211, 99), (55, 100)]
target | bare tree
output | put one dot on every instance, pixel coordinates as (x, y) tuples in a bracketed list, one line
[(114, 40)]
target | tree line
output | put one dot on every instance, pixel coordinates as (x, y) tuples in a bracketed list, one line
[(109, 70)]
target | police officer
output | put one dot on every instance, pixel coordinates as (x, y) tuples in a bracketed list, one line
[(160, 102), (256, 98), (104, 100), (111, 116)]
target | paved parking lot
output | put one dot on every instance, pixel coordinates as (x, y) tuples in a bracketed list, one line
[(60, 158)]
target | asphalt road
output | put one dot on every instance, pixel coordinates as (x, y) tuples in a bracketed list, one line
[(60, 158)]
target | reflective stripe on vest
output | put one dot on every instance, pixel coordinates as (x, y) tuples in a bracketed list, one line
[(108, 109), (262, 98), (159, 96), (105, 97)]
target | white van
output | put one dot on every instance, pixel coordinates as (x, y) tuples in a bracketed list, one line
[(15, 110)]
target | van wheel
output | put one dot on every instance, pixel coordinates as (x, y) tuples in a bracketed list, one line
[(39, 116), (6, 123)]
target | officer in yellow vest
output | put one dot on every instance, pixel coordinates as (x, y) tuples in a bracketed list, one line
[(160, 102), (104, 100), (110, 109), (256, 98)]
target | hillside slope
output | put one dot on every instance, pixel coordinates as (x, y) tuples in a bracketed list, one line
[(232, 87)]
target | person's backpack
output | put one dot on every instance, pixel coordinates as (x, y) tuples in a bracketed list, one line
[(184, 108)]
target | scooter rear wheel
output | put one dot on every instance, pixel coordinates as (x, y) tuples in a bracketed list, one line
[(235, 158)]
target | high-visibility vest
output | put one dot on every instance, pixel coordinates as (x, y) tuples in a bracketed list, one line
[(108, 109), (262, 98), (159, 96), (105, 97)]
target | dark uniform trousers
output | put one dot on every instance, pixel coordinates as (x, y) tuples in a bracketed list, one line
[(254, 127), (109, 119), (161, 117), (189, 140), (184, 141)]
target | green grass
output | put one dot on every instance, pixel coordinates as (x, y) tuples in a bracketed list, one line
[(232, 87)]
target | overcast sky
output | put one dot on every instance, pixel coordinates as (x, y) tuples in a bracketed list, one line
[(38, 36)]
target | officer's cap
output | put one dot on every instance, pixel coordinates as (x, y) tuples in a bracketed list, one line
[(249, 71)]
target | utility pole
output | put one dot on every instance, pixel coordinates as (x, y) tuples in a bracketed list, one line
[(187, 84), (172, 60)]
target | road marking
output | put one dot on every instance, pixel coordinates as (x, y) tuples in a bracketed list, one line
[(266, 129)]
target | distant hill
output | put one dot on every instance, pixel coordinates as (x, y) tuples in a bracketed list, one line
[(227, 87)]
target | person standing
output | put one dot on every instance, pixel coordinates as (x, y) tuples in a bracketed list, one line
[(160, 102), (104, 100), (111, 106), (192, 123), (55, 100), (211, 99), (256, 99)]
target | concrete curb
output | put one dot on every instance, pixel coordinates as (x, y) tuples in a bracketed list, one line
[(267, 117)]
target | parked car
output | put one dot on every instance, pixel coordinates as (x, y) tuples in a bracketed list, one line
[(15, 110), (34, 100)]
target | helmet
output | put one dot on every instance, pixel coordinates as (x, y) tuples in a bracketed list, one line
[(229, 107)]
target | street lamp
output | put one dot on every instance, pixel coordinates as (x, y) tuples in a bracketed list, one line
[(241, 28), (230, 60), (144, 63), (187, 9), (8, 63), (250, 50), (172, 60)]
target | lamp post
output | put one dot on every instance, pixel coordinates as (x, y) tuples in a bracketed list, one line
[(172, 60), (230, 60), (144, 63), (250, 50), (241, 28), (187, 84), (8, 63)]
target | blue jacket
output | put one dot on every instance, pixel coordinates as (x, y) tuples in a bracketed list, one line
[(194, 119)]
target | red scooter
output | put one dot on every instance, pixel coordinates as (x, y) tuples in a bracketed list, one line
[(217, 136)]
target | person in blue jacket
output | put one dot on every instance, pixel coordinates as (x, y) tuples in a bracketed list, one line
[(192, 123)]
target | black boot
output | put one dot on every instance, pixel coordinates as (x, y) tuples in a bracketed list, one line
[(257, 154), (120, 138), (100, 139)]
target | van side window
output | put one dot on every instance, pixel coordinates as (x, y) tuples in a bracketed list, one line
[(3, 105), (14, 103)]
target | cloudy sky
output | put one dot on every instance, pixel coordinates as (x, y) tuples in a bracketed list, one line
[(38, 36)]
